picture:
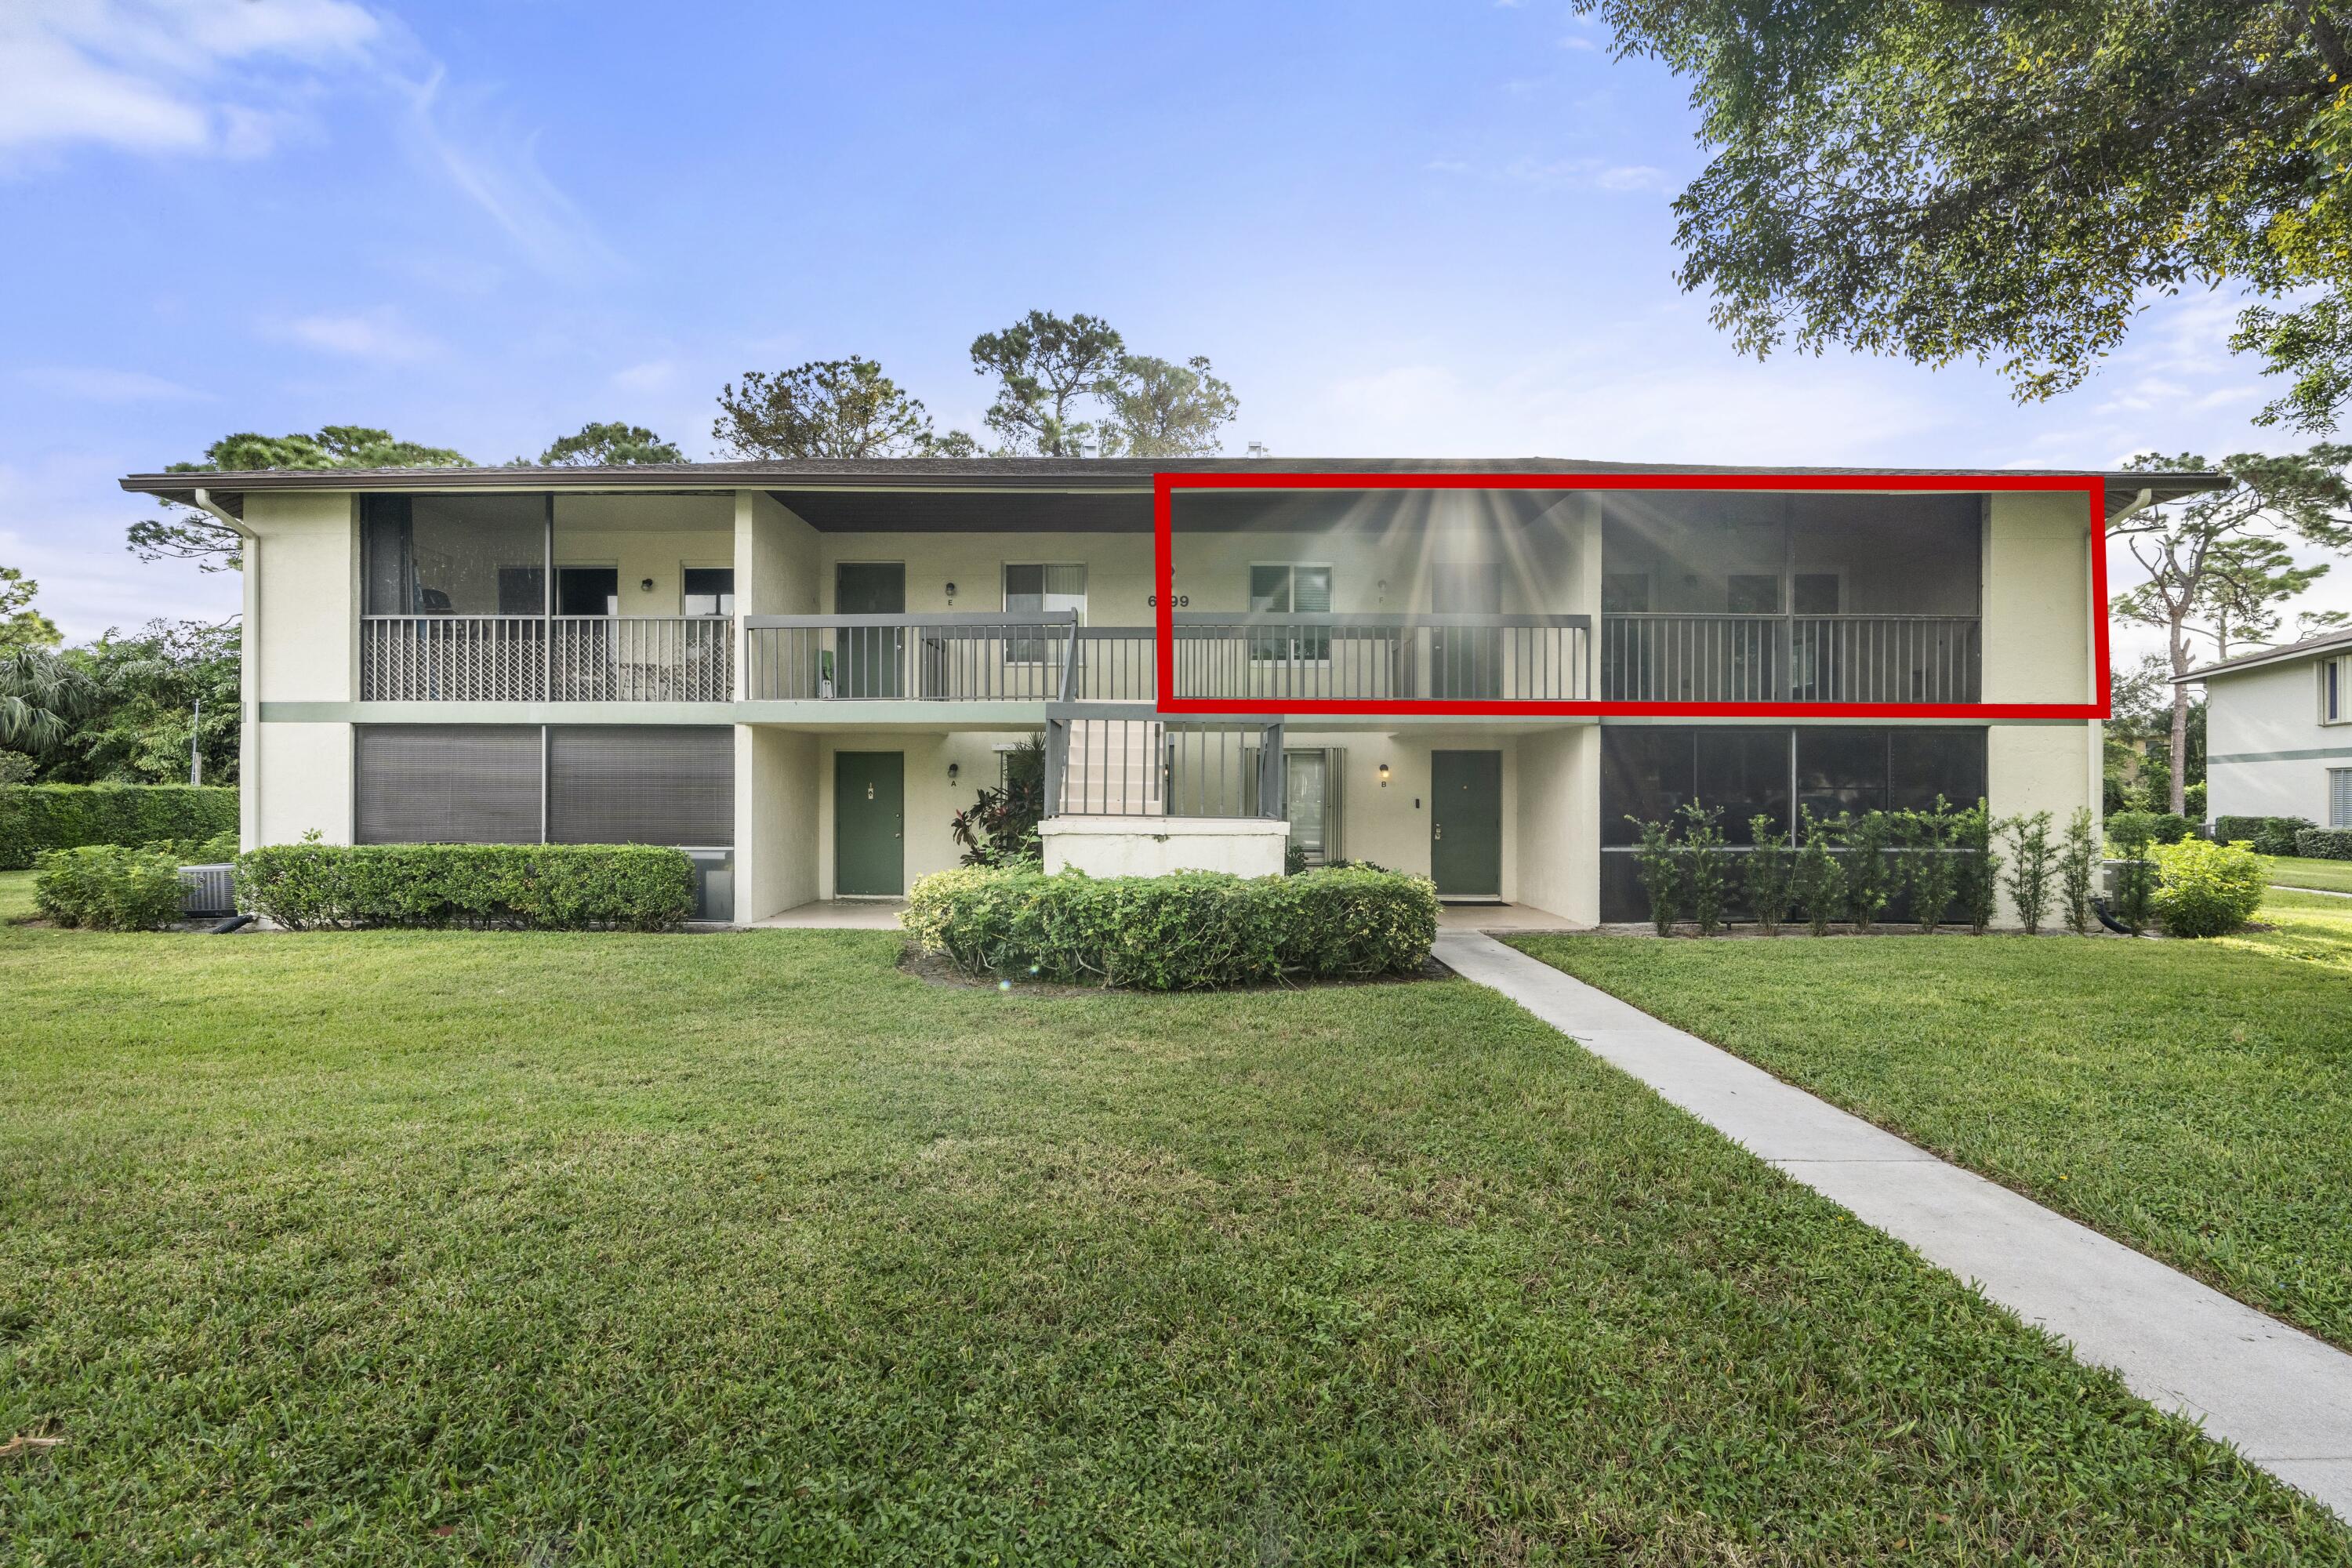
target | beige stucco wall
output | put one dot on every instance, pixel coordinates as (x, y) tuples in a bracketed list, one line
[(304, 771), (1559, 773), (776, 559), (2029, 768), (930, 801), (2037, 634), (308, 593), (776, 818), (2260, 712), (1159, 847)]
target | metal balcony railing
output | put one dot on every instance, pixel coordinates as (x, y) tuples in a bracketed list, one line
[(1791, 658), (1384, 657), (929, 659), (542, 659), (1125, 760)]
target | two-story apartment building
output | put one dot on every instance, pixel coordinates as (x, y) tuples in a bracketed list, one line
[(799, 671), (2278, 732)]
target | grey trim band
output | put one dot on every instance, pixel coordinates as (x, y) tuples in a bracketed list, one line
[(2315, 754)]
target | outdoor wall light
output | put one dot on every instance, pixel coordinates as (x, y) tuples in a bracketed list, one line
[(646, 585), (953, 770), (950, 592), (1384, 775)]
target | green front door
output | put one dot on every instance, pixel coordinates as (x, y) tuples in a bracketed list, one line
[(1465, 824), (868, 823), (872, 659)]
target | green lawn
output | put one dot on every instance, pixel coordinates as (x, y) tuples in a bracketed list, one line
[(2296, 872), (15, 894), (2191, 1098), (528, 1249)]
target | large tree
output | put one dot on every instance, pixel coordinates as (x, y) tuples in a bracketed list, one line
[(154, 690), (2218, 563), (609, 446), (1067, 386), (1164, 410), (2015, 181), (825, 409), (22, 625), (1048, 368), (183, 534)]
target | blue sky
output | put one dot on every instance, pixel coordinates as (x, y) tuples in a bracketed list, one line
[(1397, 229)]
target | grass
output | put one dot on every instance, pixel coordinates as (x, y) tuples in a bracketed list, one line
[(2191, 1098), (438, 1249), (2298, 871), (16, 894)]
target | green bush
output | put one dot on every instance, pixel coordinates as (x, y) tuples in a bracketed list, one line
[(33, 818), (2325, 843), (527, 887), (1192, 932), (2157, 827), (108, 887), (2268, 835), (2204, 889), (216, 850), (2127, 839)]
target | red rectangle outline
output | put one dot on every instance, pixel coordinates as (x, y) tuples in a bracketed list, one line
[(1165, 484)]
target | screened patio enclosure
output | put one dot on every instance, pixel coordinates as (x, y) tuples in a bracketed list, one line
[(527, 597)]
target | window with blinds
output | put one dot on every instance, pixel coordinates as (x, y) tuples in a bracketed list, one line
[(447, 783), (2339, 797), (1031, 590), (641, 784)]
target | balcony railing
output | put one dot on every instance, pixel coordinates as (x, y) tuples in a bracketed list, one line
[(540, 659), (1124, 760), (1384, 657), (1786, 659), (929, 659)]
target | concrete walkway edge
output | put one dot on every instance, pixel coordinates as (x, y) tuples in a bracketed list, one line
[(2282, 1396)]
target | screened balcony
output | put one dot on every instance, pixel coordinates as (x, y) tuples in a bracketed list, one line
[(1729, 597), (503, 598)]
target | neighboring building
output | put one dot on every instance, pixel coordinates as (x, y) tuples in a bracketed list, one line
[(801, 670), (2278, 732)]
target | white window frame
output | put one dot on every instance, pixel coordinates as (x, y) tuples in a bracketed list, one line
[(686, 566), (1017, 651), (2336, 689), (2339, 797)]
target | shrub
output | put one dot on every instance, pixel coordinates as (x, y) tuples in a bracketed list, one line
[(2193, 801), (2155, 827), (108, 887), (33, 818), (2268, 835), (1001, 828), (2325, 843), (1661, 874), (16, 768), (1191, 932), (219, 848), (2129, 834), (2207, 890), (2029, 872), (1869, 879), (2078, 873), (1980, 866), (1706, 874), (1771, 870), (533, 887), (1819, 879), (1930, 870)]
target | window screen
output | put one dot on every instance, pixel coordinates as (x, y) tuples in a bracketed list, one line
[(453, 555), (447, 783), (641, 785), (2339, 797)]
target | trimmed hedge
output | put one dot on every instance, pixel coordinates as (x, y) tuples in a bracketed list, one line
[(108, 887), (217, 850), (1193, 931), (33, 818), (2151, 828), (2325, 843), (2268, 835), (480, 887)]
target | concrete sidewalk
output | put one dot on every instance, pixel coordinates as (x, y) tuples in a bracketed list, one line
[(2282, 1397)]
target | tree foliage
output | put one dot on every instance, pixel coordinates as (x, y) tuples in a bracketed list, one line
[(609, 446), (825, 409), (1067, 387), (2013, 182), (2219, 564), (21, 625), (43, 697), (1159, 409), (183, 534)]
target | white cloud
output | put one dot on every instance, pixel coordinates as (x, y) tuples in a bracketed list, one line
[(1573, 42), (163, 77), (97, 386), (373, 334), (1586, 174), (496, 166)]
